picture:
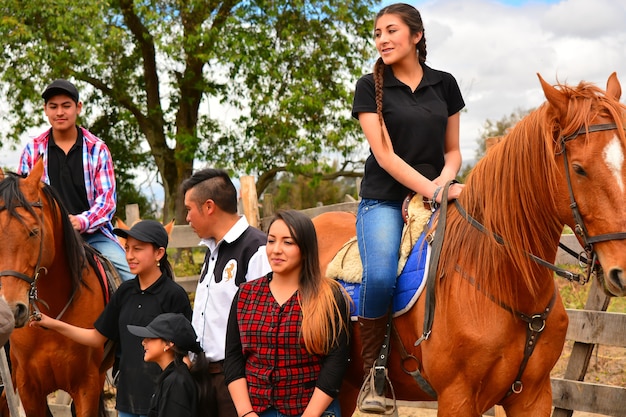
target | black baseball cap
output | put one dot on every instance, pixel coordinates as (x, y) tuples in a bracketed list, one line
[(60, 86), (149, 231), (173, 327)]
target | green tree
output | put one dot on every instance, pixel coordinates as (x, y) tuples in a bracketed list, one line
[(287, 69), (299, 192)]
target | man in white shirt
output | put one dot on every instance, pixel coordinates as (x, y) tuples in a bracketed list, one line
[(235, 254)]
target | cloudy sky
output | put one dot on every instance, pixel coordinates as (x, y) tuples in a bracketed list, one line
[(495, 48)]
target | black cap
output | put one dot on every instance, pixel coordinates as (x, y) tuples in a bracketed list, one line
[(149, 231), (173, 327), (60, 86)]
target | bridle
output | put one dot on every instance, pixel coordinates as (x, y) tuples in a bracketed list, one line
[(579, 228), (33, 298)]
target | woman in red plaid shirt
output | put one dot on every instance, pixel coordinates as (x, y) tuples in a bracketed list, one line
[(287, 337)]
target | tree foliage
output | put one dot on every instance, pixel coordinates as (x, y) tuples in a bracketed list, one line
[(162, 72), (299, 192)]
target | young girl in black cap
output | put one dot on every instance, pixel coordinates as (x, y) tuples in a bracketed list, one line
[(167, 340), (136, 302)]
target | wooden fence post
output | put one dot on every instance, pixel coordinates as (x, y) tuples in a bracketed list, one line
[(12, 398), (249, 200), (581, 352), (132, 214)]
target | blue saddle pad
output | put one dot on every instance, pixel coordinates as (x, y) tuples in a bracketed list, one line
[(409, 284)]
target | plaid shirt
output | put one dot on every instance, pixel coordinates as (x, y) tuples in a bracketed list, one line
[(279, 370), (98, 174)]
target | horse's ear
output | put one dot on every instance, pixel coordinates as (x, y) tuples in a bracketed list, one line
[(554, 97), (1, 174), (613, 87), (34, 178), (119, 223), (169, 227)]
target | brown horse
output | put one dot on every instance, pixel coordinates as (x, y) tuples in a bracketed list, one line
[(44, 266), (567, 153)]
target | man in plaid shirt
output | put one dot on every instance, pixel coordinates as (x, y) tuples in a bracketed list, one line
[(79, 167)]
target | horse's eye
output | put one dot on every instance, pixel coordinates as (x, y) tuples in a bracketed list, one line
[(33, 232), (579, 170)]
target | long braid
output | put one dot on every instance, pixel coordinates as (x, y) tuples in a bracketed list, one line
[(421, 48), (379, 69)]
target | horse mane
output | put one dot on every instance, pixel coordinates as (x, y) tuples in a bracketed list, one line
[(13, 198), (512, 192)]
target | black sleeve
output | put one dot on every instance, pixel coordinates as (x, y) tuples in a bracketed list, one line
[(454, 98), (335, 364), (364, 100), (234, 361)]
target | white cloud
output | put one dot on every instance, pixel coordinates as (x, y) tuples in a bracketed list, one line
[(495, 51)]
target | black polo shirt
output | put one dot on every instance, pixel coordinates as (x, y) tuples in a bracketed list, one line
[(416, 122), (67, 174), (130, 305)]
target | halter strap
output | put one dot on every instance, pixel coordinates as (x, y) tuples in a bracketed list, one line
[(589, 129)]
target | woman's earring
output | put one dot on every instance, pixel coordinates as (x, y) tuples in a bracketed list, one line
[(158, 263), (164, 349)]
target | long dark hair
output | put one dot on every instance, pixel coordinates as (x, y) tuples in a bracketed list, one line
[(413, 19)]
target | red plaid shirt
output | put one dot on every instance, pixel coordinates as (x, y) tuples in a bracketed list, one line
[(279, 370)]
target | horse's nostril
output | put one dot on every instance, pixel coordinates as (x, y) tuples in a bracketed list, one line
[(616, 276), (21, 314)]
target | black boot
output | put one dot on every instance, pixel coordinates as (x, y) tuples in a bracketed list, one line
[(373, 333)]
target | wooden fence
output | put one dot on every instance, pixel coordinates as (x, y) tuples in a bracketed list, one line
[(587, 328)]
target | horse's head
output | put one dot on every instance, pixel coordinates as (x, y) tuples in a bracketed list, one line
[(590, 144), (27, 239)]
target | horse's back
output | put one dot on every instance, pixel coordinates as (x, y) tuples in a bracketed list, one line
[(333, 228)]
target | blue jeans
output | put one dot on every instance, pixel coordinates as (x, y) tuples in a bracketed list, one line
[(333, 410), (112, 251), (379, 231)]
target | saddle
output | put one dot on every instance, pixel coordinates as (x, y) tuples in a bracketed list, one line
[(346, 264)]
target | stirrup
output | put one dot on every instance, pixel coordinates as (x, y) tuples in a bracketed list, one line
[(369, 389)]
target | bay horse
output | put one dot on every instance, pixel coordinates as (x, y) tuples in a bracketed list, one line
[(494, 298), (45, 266)]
